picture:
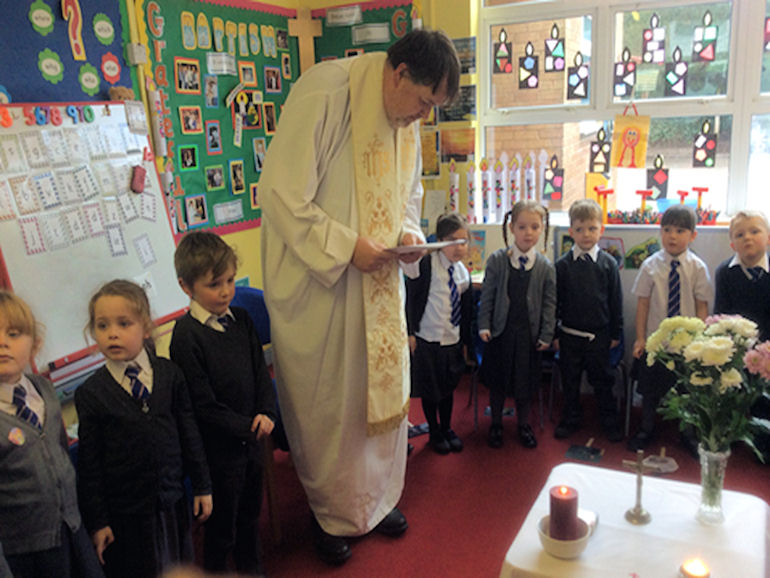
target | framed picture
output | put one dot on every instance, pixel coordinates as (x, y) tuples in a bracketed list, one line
[(253, 195), (258, 144), (286, 65), (353, 52), (237, 179), (213, 137), (215, 178), (211, 90), (272, 79), (188, 158), (195, 207), (269, 114), (187, 73), (190, 119), (247, 73), (281, 39), (248, 105)]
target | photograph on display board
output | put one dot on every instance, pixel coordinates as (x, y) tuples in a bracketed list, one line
[(249, 106), (187, 73), (269, 113), (195, 207), (259, 152), (253, 195), (286, 66), (237, 181), (247, 73), (215, 178), (190, 119), (213, 137), (188, 157), (281, 39), (211, 91), (272, 79), (353, 52)]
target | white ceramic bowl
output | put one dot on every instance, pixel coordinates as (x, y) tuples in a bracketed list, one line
[(565, 549)]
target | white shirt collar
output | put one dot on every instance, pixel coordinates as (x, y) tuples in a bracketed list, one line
[(514, 254), (206, 317), (445, 262), (593, 252), (763, 263), (117, 369)]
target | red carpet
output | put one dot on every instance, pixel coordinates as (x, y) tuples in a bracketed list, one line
[(464, 509)]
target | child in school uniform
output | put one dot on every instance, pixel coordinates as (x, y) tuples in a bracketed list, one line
[(589, 313), (743, 288), (220, 354), (673, 281), (439, 309), (40, 526), (517, 318), (138, 439)]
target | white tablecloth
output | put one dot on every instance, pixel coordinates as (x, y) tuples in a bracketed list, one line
[(737, 548)]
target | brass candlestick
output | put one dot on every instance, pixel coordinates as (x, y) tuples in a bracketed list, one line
[(638, 515)]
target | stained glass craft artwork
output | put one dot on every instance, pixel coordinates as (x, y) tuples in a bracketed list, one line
[(704, 149), (553, 181), (657, 179), (529, 179), (654, 42), (704, 40), (577, 78), (528, 68), (767, 34), (624, 75), (514, 177), (500, 184), (676, 75), (554, 52), (600, 153), (502, 50)]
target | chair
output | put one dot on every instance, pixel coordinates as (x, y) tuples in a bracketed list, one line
[(253, 301)]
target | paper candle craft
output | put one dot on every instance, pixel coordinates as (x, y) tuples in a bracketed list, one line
[(554, 51), (553, 181), (563, 522), (676, 75), (514, 177), (502, 51), (454, 186), (704, 150), (600, 153), (487, 194), (704, 40), (767, 34), (529, 179), (577, 78), (657, 179), (528, 68), (624, 75), (501, 191), (470, 179), (654, 42)]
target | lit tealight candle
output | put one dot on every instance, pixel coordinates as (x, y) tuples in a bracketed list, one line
[(695, 568), (563, 524)]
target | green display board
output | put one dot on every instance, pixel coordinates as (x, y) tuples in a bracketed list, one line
[(215, 150)]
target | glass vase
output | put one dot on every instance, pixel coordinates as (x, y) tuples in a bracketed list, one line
[(712, 477)]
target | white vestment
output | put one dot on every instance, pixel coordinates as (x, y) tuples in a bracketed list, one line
[(315, 300)]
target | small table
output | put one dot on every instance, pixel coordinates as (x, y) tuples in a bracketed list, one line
[(618, 549)]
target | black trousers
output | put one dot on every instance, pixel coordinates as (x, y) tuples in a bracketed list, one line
[(75, 558)]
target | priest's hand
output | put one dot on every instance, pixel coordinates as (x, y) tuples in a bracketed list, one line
[(370, 255), (408, 240)]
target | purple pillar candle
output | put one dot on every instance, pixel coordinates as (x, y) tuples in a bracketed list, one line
[(564, 519)]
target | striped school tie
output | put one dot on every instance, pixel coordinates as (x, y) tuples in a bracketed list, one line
[(224, 321), (23, 411), (673, 290), (138, 390), (454, 295), (756, 273), (523, 262)]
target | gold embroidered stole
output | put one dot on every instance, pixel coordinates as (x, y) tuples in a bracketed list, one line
[(384, 167)]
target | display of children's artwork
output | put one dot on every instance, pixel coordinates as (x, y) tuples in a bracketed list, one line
[(629, 137), (247, 105), (188, 158), (237, 182), (601, 148), (704, 40), (624, 75), (190, 119), (654, 42), (554, 60), (215, 178), (268, 110), (553, 181), (258, 144), (197, 214), (188, 75), (657, 179), (704, 149), (286, 66), (272, 79), (476, 251), (577, 78), (502, 49), (247, 73), (431, 153), (213, 137), (676, 75), (638, 253), (613, 246), (528, 68), (211, 90)]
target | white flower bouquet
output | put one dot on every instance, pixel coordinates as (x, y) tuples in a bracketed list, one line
[(721, 372)]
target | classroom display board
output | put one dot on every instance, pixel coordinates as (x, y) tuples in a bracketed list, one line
[(221, 75), (71, 219), (67, 50)]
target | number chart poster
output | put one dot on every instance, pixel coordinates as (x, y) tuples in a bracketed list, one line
[(62, 50), (222, 72)]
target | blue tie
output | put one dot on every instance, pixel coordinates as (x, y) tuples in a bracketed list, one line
[(23, 411), (523, 262), (454, 295), (673, 290), (585, 257), (224, 321), (138, 390), (756, 273)]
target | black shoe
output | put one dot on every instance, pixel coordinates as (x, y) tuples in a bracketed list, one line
[(333, 550), (640, 441), (455, 443), (613, 433), (495, 438), (394, 524), (527, 436), (438, 443), (565, 429), (409, 449)]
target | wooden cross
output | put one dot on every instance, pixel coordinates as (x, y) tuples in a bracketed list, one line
[(305, 29)]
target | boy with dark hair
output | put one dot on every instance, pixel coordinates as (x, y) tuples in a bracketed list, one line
[(671, 282), (589, 311), (217, 348)]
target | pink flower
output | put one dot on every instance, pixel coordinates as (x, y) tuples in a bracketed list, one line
[(757, 360)]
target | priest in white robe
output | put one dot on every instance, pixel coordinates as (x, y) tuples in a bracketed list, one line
[(340, 186)]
